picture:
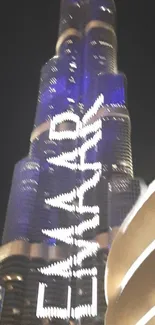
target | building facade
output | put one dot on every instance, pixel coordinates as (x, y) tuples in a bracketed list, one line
[(76, 185), (129, 275)]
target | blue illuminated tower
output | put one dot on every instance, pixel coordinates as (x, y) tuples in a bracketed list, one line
[(76, 185)]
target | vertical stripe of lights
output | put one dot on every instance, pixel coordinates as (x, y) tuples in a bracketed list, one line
[(83, 128), (69, 301)]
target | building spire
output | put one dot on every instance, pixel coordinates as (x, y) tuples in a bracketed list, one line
[(77, 13), (70, 15)]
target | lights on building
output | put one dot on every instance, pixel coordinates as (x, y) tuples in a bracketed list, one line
[(86, 133), (85, 272), (56, 268), (87, 225), (106, 9), (71, 100), (62, 201), (16, 311), (69, 301), (66, 202), (106, 44), (65, 313), (68, 159), (19, 278), (93, 110), (73, 65), (8, 277), (61, 118), (13, 277)]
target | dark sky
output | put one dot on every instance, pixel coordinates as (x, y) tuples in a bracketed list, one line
[(28, 33)]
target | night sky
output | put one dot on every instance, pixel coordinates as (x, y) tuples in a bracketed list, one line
[(28, 33)]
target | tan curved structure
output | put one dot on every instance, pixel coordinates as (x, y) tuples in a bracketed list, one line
[(103, 112), (99, 24), (65, 35), (42, 251), (32, 251), (130, 270)]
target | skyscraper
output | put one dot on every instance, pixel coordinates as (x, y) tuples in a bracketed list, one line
[(76, 185), (129, 276)]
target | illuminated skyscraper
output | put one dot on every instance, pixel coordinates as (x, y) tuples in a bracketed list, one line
[(77, 182)]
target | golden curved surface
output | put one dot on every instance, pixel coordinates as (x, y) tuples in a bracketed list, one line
[(67, 33), (39, 130), (137, 299), (42, 251), (130, 270), (103, 112), (99, 24)]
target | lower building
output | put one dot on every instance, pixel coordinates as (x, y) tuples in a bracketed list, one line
[(32, 287), (130, 269), (30, 295), (37, 291)]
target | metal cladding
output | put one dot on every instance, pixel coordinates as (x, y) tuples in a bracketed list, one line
[(76, 185), (129, 276)]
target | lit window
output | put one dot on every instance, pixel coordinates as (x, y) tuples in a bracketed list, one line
[(16, 311), (19, 278), (8, 277)]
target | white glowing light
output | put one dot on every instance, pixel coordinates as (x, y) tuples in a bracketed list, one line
[(106, 9), (106, 285), (92, 182), (85, 272), (64, 313), (67, 236), (90, 128), (63, 234), (87, 252), (62, 135), (54, 269), (61, 201), (50, 312), (73, 65), (8, 277), (66, 233), (147, 317), (66, 201), (67, 116), (71, 100), (92, 142), (103, 8), (94, 296), (40, 301), (94, 109), (68, 159), (87, 225), (69, 301)]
